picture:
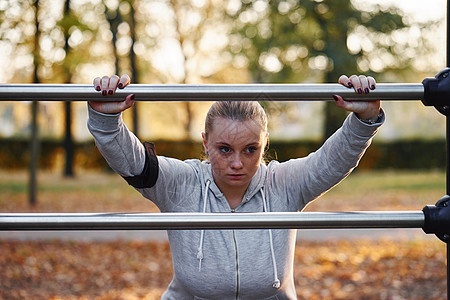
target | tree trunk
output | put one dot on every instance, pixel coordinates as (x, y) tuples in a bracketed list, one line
[(133, 66), (114, 21), (334, 116), (68, 138), (34, 143)]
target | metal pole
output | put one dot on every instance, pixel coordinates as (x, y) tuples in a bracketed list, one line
[(447, 118), (208, 92), (158, 221)]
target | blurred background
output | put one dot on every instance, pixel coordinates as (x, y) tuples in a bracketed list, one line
[(203, 41), (49, 163)]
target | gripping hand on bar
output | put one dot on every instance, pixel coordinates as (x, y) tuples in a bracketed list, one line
[(365, 110), (107, 86)]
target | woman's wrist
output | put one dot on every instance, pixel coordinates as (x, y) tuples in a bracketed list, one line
[(371, 118)]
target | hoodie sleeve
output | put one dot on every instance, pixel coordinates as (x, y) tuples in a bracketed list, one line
[(302, 180), (126, 155), (122, 150)]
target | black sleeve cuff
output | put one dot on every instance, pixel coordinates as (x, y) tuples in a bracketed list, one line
[(149, 175)]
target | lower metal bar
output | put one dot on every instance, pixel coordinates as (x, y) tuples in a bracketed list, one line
[(208, 92), (158, 221)]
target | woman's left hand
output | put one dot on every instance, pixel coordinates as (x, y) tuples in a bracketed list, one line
[(365, 110)]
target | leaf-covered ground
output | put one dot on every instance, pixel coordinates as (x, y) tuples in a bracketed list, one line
[(365, 269), (338, 269)]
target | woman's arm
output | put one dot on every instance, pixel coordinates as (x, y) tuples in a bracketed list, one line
[(120, 147), (122, 150), (309, 177)]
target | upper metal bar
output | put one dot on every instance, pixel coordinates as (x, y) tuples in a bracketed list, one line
[(206, 92), (157, 221)]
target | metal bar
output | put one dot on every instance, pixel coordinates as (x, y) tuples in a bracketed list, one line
[(208, 92), (158, 221)]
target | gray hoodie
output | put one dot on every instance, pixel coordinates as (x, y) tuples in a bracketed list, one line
[(233, 264)]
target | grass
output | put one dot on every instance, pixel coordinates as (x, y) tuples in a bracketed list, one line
[(94, 192), (87, 192), (384, 190)]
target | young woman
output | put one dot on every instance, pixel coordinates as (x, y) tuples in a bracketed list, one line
[(233, 264)]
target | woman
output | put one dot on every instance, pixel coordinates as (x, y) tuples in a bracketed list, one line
[(233, 264)]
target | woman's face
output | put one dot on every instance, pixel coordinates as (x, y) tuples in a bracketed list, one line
[(235, 151)]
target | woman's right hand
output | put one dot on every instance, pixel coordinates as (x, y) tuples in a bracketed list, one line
[(107, 86)]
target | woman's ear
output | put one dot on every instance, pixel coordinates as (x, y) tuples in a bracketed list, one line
[(205, 142)]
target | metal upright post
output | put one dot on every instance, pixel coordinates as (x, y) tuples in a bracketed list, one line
[(437, 93), (448, 145)]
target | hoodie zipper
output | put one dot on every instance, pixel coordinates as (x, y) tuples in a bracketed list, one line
[(237, 260), (237, 264)]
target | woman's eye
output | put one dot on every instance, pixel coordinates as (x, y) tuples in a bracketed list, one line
[(251, 149), (224, 149)]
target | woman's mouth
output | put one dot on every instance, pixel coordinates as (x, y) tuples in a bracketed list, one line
[(235, 176)]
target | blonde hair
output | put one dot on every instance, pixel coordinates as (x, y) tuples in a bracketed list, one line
[(236, 110)]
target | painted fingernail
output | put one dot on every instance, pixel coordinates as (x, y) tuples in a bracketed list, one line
[(350, 84), (110, 92), (372, 87), (359, 91), (104, 93), (366, 90), (98, 89), (120, 85), (336, 98)]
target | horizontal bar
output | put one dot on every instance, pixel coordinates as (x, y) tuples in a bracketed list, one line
[(158, 221), (209, 92)]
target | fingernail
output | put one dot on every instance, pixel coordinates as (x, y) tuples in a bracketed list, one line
[(110, 92), (350, 84), (359, 91), (98, 89), (120, 85), (366, 90), (132, 97), (104, 93), (372, 87), (336, 98)]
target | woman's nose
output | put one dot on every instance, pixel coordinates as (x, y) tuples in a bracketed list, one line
[(236, 161)]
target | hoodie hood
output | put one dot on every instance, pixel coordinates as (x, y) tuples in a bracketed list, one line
[(256, 184)]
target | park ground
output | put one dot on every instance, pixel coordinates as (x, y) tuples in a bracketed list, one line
[(382, 268)]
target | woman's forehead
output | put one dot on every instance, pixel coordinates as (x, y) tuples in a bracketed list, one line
[(229, 129)]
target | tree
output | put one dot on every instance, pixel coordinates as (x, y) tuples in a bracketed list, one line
[(133, 59), (182, 29), (34, 144), (70, 26), (295, 41), (68, 139)]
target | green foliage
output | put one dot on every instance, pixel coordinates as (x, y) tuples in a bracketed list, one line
[(296, 41), (297, 32)]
